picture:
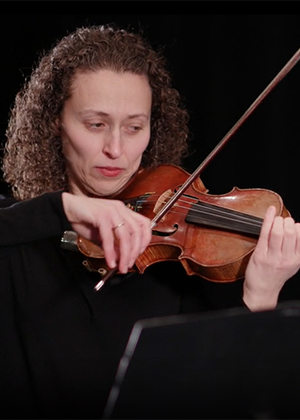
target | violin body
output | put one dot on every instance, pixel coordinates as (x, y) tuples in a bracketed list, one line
[(213, 236)]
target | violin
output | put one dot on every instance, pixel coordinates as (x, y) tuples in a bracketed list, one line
[(212, 236)]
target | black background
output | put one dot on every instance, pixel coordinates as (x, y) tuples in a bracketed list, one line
[(220, 63)]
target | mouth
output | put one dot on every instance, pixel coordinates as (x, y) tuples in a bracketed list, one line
[(109, 171)]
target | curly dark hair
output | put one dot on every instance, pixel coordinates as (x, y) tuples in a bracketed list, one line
[(33, 162)]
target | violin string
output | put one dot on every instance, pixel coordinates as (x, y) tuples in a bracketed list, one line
[(216, 210), (234, 220), (208, 209), (202, 217)]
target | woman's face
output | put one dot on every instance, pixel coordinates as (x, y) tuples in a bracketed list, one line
[(105, 130)]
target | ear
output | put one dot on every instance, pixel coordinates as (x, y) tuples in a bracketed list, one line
[(58, 126)]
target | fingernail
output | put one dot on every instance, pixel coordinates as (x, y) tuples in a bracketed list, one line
[(113, 264)]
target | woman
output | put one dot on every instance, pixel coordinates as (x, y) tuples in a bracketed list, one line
[(97, 108)]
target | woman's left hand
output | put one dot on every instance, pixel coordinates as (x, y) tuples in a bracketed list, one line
[(276, 258)]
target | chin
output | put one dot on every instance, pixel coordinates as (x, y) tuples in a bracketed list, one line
[(94, 192)]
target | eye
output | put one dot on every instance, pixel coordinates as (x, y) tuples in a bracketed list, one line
[(95, 125), (134, 128)]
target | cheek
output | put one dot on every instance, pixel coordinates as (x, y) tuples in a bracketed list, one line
[(141, 146), (77, 147), (136, 152)]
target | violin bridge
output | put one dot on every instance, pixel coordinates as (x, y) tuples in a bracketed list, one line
[(162, 200)]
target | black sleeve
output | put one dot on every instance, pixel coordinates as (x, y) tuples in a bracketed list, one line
[(33, 219)]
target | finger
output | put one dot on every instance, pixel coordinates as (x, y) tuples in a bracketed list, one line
[(289, 237), (276, 235), (110, 240), (123, 242), (298, 238), (141, 238), (108, 245), (140, 234), (144, 226), (130, 243), (263, 240)]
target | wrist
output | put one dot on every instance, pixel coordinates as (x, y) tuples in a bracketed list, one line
[(260, 301)]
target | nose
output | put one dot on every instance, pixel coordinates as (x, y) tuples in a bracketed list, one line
[(113, 144)]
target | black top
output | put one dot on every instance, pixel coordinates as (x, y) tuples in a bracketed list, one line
[(61, 341)]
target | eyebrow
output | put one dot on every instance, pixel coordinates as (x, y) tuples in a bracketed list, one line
[(105, 114)]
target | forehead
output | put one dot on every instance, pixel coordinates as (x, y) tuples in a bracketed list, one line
[(109, 83)]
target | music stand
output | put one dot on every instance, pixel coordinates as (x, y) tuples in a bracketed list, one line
[(227, 364)]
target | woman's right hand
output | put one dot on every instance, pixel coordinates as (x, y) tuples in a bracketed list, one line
[(122, 233)]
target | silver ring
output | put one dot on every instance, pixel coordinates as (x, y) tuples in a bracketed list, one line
[(119, 225)]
